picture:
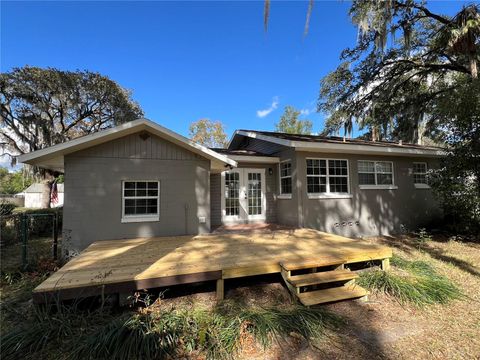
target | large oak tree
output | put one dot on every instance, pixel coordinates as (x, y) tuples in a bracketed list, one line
[(43, 107), (406, 58)]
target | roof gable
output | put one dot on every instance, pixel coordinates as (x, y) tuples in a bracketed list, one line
[(53, 157)]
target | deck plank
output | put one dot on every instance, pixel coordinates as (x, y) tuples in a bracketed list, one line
[(231, 254)]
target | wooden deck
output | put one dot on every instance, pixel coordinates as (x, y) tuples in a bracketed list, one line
[(118, 266)]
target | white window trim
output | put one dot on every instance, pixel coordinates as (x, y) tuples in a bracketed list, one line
[(420, 185), (243, 215), (140, 218), (328, 194), (282, 195), (391, 186), (378, 187)]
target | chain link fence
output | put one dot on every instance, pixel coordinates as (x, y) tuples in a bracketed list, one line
[(29, 237)]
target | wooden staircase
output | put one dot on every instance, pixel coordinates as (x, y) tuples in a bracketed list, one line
[(321, 282)]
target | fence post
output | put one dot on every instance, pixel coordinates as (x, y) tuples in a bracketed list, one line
[(23, 226), (55, 236)]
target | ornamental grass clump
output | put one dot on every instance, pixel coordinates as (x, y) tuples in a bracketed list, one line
[(152, 333), (216, 333), (47, 329), (137, 336), (413, 282), (267, 324)]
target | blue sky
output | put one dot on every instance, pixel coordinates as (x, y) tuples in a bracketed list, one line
[(190, 60)]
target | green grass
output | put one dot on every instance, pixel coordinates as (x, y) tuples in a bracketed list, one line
[(149, 334), (413, 282)]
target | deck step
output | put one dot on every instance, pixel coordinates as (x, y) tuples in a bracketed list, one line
[(333, 294), (322, 277), (313, 263)]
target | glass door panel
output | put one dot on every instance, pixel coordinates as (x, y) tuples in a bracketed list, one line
[(232, 194), (254, 193)]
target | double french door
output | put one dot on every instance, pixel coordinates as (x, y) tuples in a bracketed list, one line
[(243, 195)]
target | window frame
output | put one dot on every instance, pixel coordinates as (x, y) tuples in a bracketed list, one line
[(328, 194), (420, 185), (143, 217), (282, 195), (376, 186)]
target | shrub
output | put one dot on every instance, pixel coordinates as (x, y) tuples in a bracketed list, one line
[(40, 226), (6, 208), (419, 284), (8, 232), (422, 236)]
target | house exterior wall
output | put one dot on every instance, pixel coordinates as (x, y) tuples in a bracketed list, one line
[(271, 189), (93, 188), (376, 211)]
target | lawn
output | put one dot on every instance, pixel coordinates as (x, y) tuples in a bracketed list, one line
[(384, 327)]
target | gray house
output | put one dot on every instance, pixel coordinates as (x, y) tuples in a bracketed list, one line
[(140, 179)]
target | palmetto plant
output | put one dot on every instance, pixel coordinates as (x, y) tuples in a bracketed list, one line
[(464, 34)]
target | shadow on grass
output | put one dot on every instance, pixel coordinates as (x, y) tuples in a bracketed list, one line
[(409, 244)]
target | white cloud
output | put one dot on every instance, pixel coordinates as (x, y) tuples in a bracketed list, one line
[(273, 106), (309, 109), (306, 112)]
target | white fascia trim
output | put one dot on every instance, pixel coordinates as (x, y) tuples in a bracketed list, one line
[(329, 196), (271, 139), (343, 148), (109, 134), (364, 149), (255, 159), (378, 187), (145, 218)]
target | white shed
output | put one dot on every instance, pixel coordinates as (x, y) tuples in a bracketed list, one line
[(33, 196)]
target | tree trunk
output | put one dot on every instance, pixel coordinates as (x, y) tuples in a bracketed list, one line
[(46, 189), (473, 66), (374, 133)]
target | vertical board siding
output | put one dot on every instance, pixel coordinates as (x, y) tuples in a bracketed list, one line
[(134, 147)]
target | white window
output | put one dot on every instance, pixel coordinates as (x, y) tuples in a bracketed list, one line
[(327, 176), (420, 174), (140, 201), (286, 179), (375, 174)]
